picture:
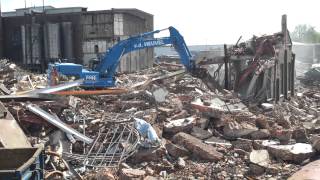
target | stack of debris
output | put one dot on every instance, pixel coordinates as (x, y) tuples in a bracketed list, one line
[(170, 125), (15, 80)]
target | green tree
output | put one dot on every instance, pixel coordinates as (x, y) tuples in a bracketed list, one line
[(305, 34)]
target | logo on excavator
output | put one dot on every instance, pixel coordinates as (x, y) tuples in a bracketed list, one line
[(91, 77), (149, 44)]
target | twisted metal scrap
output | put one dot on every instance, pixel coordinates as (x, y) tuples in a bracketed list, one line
[(112, 145)]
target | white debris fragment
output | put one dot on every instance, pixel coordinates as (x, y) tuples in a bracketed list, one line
[(260, 157)]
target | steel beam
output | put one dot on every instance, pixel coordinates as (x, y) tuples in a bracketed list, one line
[(58, 123)]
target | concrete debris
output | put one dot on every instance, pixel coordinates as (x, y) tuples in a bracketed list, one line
[(216, 107), (11, 134), (260, 157), (267, 106), (176, 150), (127, 174), (198, 148), (181, 163), (160, 94), (167, 125), (309, 171), (312, 75), (260, 134), (179, 125), (150, 154), (244, 144), (315, 140), (103, 174), (234, 129), (296, 153), (282, 135), (300, 135), (256, 169), (200, 133), (218, 141)]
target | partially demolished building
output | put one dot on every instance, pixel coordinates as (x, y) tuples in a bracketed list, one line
[(32, 37), (165, 123), (259, 69)]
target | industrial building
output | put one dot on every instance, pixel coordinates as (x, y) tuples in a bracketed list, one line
[(32, 37)]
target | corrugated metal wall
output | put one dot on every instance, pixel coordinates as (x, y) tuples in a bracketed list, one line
[(67, 40), (52, 41), (31, 44), (74, 35)]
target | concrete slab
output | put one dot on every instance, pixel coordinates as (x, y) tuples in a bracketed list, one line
[(197, 147), (11, 135)]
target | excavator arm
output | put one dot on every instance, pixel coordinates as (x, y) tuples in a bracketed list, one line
[(104, 73), (112, 57)]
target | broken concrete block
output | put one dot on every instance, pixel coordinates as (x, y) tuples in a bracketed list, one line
[(200, 133), (296, 153), (148, 154), (256, 169), (300, 135), (263, 144), (181, 163), (182, 114), (160, 94), (218, 141), (202, 122), (267, 106), (104, 174), (235, 130), (197, 147), (244, 144), (216, 107), (128, 174), (260, 134), (4, 89), (260, 157), (311, 127), (315, 140), (261, 122), (180, 125), (152, 178), (166, 111), (272, 170), (284, 135), (176, 150), (309, 171), (124, 165), (149, 171), (284, 122)]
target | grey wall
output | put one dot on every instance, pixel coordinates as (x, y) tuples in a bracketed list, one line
[(73, 35)]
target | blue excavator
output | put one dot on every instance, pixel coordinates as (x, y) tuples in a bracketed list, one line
[(103, 74)]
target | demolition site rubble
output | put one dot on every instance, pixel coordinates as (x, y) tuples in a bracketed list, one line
[(166, 124)]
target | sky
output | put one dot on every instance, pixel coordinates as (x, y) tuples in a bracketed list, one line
[(205, 22)]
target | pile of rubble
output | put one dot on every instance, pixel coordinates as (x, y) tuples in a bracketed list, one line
[(17, 80), (169, 125)]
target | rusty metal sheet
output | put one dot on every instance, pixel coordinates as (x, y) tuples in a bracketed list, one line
[(91, 92), (11, 135)]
